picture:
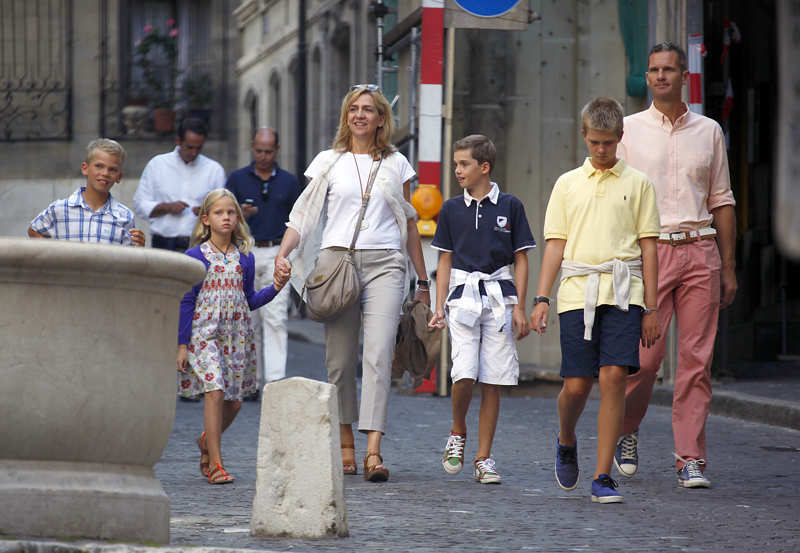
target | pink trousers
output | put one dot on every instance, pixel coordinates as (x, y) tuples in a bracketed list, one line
[(689, 286)]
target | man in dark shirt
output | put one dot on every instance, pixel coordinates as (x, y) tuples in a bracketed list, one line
[(267, 193)]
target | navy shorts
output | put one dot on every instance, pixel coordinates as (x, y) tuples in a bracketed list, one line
[(615, 341)]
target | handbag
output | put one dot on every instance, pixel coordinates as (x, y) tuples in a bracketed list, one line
[(333, 285)]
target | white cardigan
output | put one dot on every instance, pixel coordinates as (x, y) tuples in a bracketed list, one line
[(309, 217)]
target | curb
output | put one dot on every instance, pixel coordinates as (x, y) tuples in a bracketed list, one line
[(738, 405), (298, 336), (32, 546)]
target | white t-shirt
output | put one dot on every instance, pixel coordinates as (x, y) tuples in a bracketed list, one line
[(379, 229)]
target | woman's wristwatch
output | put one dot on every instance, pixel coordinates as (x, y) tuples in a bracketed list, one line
[(541, 299)]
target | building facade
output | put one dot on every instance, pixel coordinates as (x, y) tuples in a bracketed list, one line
[(525, 89), (72, 71)]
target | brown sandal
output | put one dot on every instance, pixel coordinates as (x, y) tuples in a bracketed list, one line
[(219, 476), (349, 465), (376, 472), (205, 461)]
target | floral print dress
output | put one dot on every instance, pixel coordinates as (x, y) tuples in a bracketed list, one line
[(222, 354)]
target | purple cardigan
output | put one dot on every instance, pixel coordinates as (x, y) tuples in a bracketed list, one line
[(254, 299)]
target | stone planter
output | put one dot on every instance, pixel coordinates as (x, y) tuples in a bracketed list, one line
[(87, 401)]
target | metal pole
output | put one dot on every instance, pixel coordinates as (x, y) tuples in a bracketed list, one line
[(444, 359), (379, 11), (412, 99), (301, 91)]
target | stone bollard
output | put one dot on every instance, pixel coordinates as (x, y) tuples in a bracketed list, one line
[(299, 482)]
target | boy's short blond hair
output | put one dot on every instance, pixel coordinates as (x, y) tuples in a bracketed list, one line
[(111, 147), (602, 114), (480, 147)]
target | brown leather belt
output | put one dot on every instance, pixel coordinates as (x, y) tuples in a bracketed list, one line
[(686, 237), (267, 243)]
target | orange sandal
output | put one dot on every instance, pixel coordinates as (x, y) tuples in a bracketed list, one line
[(205, 461), (219, 476), (349, 465), (376, 472)]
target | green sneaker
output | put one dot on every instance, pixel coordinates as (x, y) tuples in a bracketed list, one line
[(485, 473), (453, 458)]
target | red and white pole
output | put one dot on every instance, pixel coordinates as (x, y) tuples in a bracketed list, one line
[(697, 50), (430, 94)]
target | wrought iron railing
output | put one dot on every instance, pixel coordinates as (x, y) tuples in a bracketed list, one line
[(35, 70)]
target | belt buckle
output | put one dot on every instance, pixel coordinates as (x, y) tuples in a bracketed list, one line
[(676, 241)]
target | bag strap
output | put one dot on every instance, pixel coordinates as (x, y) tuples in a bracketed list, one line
[(364, 201)]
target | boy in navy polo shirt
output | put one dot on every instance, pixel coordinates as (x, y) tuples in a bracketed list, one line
[(480, 234)]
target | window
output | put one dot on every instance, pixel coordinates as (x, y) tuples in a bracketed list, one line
[(173, 54), (251, 109), (274, 102)]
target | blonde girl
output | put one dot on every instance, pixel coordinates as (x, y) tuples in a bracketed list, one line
[(216, 354)]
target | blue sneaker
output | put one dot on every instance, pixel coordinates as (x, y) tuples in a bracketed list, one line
[(604, 490), (567, 466), (691, 474)]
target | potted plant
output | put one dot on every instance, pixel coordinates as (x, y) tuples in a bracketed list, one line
[(198, 93), (156, 54)]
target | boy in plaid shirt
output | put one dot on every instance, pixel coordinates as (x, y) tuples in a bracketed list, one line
[(91, 214)]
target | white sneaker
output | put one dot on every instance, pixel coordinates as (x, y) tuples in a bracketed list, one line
[(485, 471), (453, 458)]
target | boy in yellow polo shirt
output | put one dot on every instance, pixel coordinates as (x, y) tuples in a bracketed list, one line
[(601, 227)]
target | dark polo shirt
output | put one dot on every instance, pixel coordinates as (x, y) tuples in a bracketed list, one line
[(282, 191), (483, 235)]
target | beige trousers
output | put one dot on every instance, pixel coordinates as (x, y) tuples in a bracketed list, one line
[(383, 281)]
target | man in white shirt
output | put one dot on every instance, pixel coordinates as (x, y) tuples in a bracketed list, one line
[(173, 185)]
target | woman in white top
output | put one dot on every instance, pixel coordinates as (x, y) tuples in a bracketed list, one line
[(388, 233)]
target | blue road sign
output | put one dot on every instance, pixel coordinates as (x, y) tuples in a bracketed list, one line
[(487, 8)]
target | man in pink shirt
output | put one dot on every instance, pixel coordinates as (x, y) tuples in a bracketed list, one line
[(684, 155)]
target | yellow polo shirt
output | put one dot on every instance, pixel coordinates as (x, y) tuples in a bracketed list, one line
[(601, 214)]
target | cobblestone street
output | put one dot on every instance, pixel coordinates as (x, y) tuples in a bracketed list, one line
[(752, 506)]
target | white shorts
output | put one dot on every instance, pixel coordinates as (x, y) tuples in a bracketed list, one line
[(483, 353)]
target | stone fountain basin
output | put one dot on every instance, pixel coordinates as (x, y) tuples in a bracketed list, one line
[(88, 337)]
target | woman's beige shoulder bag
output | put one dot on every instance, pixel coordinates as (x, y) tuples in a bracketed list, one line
[(333, 285)]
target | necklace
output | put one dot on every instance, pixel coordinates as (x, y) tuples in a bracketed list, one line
[(224, 253), (364, 222)]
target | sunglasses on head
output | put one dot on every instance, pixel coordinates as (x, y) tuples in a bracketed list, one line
[(370, 87)]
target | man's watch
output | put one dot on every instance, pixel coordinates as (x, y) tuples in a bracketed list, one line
[(425, 283), (541, 299)]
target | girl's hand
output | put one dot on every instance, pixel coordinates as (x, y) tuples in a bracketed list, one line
[(438, 320), (183, 358), (651, 329), (520, 322), (539, 318), (282, 272)]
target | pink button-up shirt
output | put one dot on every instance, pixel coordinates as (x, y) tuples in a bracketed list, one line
[(687, 163)]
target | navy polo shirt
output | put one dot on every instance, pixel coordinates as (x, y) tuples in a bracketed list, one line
[(282, 191), (483, 235)]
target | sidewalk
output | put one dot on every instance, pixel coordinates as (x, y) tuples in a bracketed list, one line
[(770, 395)]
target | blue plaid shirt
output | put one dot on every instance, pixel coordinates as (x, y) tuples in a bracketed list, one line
[(73, 219)]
